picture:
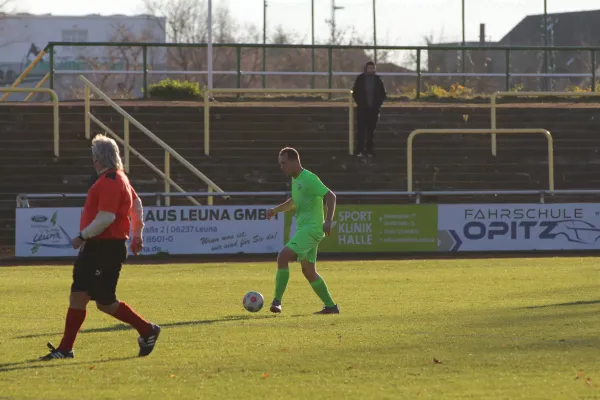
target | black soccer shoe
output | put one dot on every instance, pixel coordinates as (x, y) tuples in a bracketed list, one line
[(147, 343), (329, 310), (56, 354)]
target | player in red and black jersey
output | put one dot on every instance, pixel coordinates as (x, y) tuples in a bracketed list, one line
[(111, 208)]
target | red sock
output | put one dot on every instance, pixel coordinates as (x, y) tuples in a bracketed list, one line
[(73, 323), (126, 314)]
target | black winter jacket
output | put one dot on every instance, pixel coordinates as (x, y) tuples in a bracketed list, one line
[(359, 92)]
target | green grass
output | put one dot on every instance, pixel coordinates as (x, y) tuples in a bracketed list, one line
[(501, 328)]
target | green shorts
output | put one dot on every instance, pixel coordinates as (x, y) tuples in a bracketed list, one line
[(305, 244)]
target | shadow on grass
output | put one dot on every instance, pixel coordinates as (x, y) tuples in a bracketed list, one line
[(124, 327), (37, 364), (302, 315), (573, 303)]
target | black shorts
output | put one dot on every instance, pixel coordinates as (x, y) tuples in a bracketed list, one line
[(97, 269)]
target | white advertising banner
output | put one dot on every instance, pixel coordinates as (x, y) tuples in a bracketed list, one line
[(507, 227), (47, 232)]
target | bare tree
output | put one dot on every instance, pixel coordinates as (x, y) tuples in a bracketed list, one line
[(187, 24), (125, 58)]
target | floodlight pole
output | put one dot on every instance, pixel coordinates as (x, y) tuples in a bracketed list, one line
[(209, 48), (464, 40), (312, 33), (264, 50), (334, 8), (375, 31), (546, 59)]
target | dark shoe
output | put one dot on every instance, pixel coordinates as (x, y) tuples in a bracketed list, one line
[(56, 354), (147, 343), (329, 310), (276, 306)]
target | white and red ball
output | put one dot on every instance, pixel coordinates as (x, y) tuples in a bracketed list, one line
[(253, 301)]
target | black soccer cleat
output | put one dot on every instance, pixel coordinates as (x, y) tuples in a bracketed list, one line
[(56, 354), (329, 310), (276, 306), (147, 343)]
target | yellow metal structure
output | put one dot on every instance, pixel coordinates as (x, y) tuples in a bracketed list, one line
[(39, 85), (166, 175), (209, 92), (24, 74), (54, 98), (494, 105), (144, 159), (126, 148), (409, 147)]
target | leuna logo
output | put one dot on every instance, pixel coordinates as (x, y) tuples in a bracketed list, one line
[(49, 234)]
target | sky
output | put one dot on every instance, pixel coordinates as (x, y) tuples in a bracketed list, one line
[(399, 22)]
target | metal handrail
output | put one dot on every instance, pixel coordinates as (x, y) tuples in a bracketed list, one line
[(128, 148), (494, 97), (209, 92), (22, 198), (409, 147), (320, 46), (39, 85), (26, 72), (419, 73), (89, 86), (54, 97)]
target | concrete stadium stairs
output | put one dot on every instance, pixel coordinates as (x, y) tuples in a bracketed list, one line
[(245, 141)]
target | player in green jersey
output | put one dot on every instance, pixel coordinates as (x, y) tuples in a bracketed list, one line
[(307, 198)]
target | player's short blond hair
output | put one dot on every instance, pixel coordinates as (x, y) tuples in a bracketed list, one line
[(291, 153), (106, 152)]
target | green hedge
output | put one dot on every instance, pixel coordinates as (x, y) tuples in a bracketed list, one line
[(170, 89)]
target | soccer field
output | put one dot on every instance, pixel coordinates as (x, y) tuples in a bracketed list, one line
[(451, 329)]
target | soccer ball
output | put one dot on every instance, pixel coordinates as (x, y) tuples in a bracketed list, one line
[(253, 301)]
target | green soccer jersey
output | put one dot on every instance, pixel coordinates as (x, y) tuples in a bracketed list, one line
[(307, 194)]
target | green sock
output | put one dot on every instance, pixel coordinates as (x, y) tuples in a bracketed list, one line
[(320, 288), (281, 281)]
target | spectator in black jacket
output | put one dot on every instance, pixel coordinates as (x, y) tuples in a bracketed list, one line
[(369, 94)]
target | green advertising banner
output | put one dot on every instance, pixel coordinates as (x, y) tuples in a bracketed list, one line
[(378, 228)]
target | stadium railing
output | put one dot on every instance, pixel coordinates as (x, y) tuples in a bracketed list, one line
[(54, 98), (22, 200), (143, 68), (39, 85), (26, 72), (413, 134), (209, 92), (494, 105), (128, 119)]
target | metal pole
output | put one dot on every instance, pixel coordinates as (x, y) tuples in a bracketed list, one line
[(375, 31), (546, 61), (238, 58), (51, 84), (333, 8), (264, 50), (464, 53), (209, 48), (145, 66), (419, 74), (312, 29), (593, 70)]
